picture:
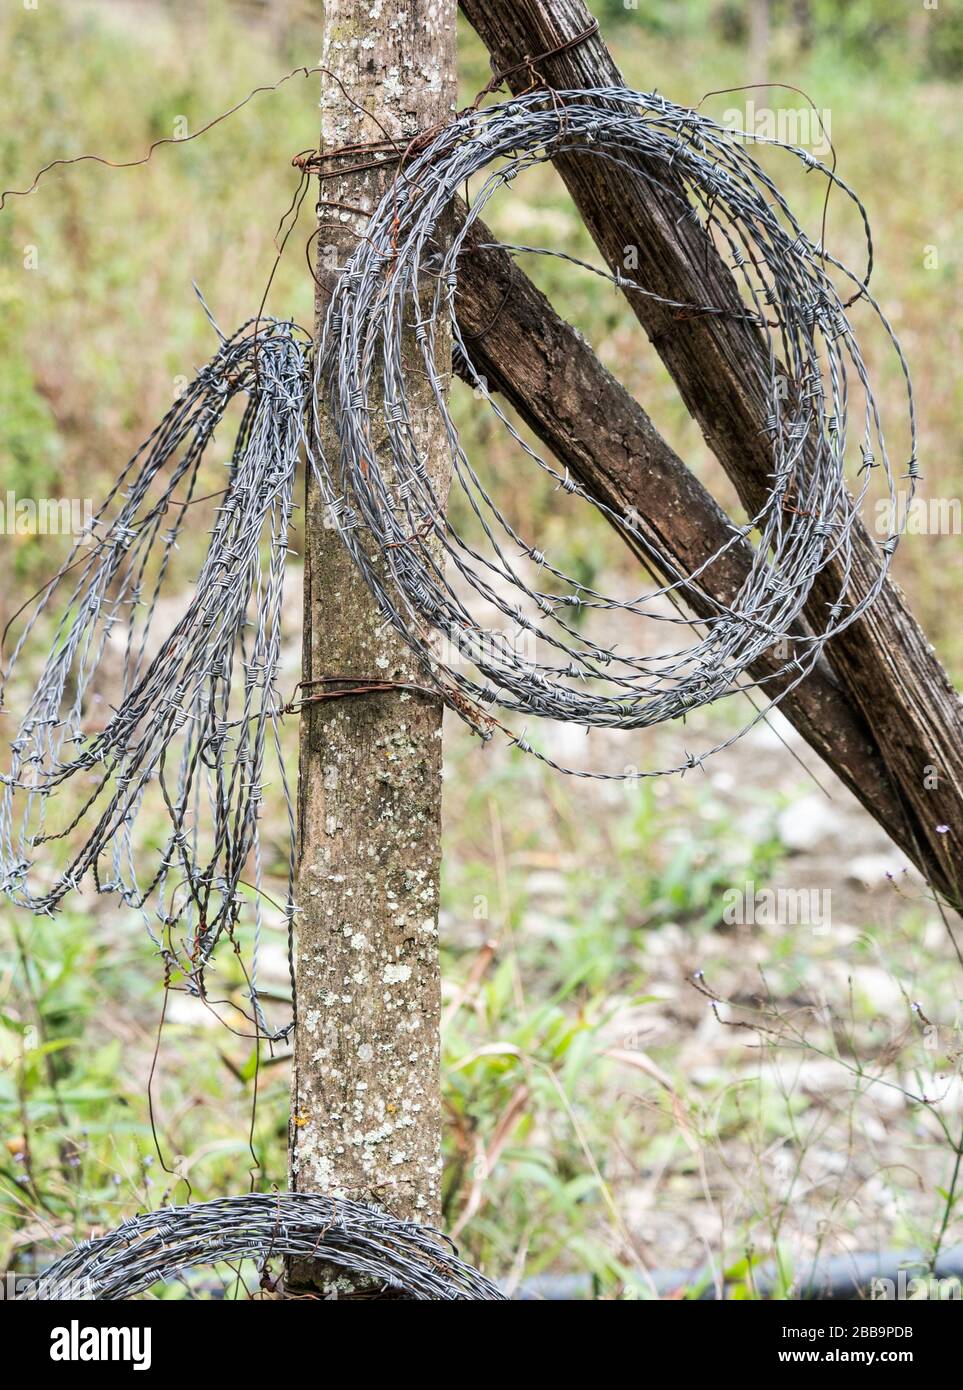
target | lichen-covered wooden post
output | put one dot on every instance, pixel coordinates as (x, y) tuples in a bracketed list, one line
[(366, 1108)]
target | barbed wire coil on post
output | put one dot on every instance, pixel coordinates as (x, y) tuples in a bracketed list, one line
[(378, 493), (158, 1246)]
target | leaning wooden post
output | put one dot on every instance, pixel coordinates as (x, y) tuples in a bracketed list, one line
[(883, 662), (366, 1109)]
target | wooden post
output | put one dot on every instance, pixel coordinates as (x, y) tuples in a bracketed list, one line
[(366, 1108), (759, 38), (883, 662)]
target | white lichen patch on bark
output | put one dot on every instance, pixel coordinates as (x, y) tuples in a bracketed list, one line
[(366, 1117)]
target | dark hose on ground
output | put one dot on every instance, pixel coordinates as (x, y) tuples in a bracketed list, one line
[(835, 1278)]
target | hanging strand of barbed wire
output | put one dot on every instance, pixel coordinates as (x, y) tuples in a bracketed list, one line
[(197, 715)]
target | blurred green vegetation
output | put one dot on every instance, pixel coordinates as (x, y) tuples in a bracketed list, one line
[(927, 39), (579, 1097)]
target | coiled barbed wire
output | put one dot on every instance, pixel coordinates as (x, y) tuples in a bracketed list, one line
[(158, 1246), (197, 716), (378, 488)]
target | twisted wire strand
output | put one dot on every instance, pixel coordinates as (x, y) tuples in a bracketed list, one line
[(197, 720), (196, 728), (158, 1246), (378, 489)]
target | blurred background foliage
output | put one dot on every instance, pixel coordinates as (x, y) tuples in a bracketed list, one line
[(925, 38)]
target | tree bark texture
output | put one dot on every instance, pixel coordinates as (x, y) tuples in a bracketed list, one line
[(366, 1109)]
